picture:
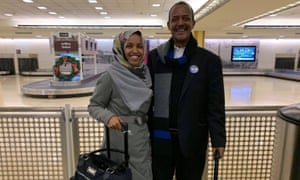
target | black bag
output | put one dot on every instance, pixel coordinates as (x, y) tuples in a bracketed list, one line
[(98, 166)]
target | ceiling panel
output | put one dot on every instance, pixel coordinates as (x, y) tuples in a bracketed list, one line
[(217, 24)]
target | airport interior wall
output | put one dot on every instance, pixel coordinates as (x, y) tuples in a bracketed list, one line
[(267, 51)]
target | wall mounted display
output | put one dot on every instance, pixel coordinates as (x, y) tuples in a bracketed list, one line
[(243, 53)]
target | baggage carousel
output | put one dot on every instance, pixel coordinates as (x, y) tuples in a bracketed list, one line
[(4, 72), (281, 74), (51, 88)]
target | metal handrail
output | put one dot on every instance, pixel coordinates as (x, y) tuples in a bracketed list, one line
[(30, 109), (252, 108)]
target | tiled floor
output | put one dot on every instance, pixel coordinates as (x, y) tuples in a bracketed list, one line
[(239, 91)]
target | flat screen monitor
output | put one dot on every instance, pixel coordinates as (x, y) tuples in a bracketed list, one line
[(243, 53)]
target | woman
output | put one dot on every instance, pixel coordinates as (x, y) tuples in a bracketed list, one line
[(123, 94)]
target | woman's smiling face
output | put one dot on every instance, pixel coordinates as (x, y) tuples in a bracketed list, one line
[(134, 50)]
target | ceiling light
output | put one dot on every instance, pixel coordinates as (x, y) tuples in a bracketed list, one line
[(208, 8), (99, 8), (103, 13), (153, 15), (52, 13), (28, 1), (155, 5), (8, 14), (93, 1), (42, 7), (89, 26), (272, 26), (289, 6)]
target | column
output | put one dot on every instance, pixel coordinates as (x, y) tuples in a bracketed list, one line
[(200, 36)]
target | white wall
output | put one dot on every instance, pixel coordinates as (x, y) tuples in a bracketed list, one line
[(266, 53), (29, 46), (104, 44), (268, 48)]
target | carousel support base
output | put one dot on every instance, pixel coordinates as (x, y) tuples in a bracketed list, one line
[(54, 89), (38, 72), (4, 72)]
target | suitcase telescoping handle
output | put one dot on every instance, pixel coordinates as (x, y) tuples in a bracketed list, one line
[(125, 132), (216, 168)]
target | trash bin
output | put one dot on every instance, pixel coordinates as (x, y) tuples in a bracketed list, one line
[(290, 166)]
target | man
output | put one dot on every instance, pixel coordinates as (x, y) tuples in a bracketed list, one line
[(188, 103)]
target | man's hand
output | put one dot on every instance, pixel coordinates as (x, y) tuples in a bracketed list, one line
[(220, 150)]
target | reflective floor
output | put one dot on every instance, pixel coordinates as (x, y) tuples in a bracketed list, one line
[(239, 91)]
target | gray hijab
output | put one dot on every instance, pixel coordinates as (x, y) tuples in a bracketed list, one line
[(134, 91)]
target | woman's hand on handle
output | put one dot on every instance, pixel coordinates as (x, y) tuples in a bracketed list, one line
[(115, 123)]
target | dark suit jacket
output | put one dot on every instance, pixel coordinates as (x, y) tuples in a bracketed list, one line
[(202, 106)]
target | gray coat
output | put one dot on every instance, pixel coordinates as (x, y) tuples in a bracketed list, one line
[(106, 102)]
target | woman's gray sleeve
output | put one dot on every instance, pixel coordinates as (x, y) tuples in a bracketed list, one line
[(100, 99)]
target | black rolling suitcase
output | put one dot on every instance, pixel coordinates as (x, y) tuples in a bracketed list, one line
[(216, 167), (98, 166)]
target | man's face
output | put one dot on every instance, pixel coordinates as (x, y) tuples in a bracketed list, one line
[(181, 24)]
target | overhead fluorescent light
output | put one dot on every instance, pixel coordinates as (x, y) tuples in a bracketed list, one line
[(8, 14), (94, 33), (52, 13), (155, 5), (42, 7), (234, 33), (209, 7), (247, 22), (23, 32), (89, 26), (273, 15), (28, 1), (93, 1), (272, 26)]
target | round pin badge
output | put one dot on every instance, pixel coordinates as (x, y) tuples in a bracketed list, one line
[(194, 69)]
